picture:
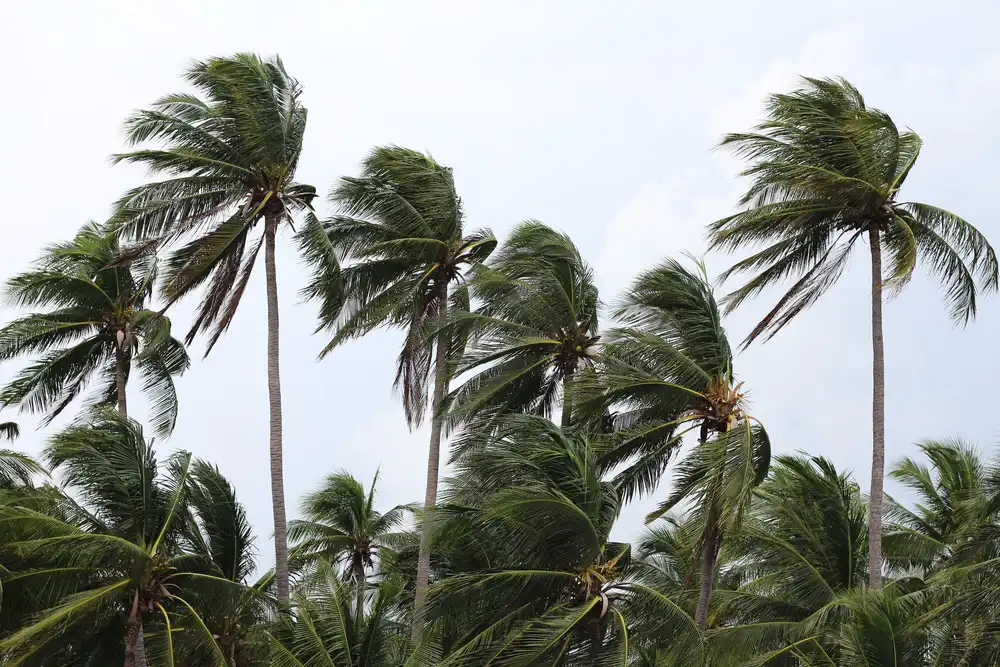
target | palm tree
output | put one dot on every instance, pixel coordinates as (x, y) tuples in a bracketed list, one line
[(342, 526), (536, 327), (801, 547), (115, 561), (669, 367), (222, 541), (557, 589), (94, 323), (229, 158), (328, 627), (957, 501), (825, 173), (402, 228)]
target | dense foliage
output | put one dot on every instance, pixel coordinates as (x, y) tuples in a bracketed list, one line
[(557, 420)]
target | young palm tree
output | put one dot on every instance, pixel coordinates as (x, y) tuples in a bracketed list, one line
[(232, 606), (94, 324), (116, 558), (669, 367), (342, 526), (402, 228), (536, 327), (229, 157), (328, 627), (956, 503), (556, 589), (826, 173), (802, 545)]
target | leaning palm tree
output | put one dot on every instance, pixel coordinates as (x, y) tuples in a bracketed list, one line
[(342, 526), (535, 328), (115, 559), (94, 324), (668, 370), (229, 157), (403, 230), (555, 589), (826, 173)]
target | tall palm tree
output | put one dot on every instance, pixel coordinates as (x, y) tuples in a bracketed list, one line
[(95, 323), (403, 230), (669, 368), (229, 157), (826, 173), (342, 526), (556, 589), (535, 328), (117, 558)]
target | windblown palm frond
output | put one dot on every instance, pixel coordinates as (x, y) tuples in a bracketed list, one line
[(329, 627), (535, 327), (825, 169), (668, 371), (93, 327), (402, 230), (229, 154), (342, 527), (556, 588), (115, 560)]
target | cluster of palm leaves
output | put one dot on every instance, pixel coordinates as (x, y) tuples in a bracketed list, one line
[(556, 421)]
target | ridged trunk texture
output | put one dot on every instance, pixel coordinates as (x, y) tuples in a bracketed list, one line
[(433, 467), (120, 377), (707, 582), (567, 408), (135, 650), (274, 404), (878, 418)]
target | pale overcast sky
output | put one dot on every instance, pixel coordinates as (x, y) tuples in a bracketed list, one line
[(598, 118)]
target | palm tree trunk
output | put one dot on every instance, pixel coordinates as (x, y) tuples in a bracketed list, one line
[(135, 646), (707, 582), (433, 465), (136, 643), (567, 407), (120, 377), (878, 418), (274, 403), (131, 641), (359, 573)]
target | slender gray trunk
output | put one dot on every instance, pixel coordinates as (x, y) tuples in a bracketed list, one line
[(274, 403), (135, 651), (707, 582), (878, 418), (567, 406), (120, 376), (359, 573), (433, 465)]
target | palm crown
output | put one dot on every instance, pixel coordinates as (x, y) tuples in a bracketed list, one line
[(535, 327), (128, 553), (555, 588), (94, 325), (342, 525), (825, 170), (231, 158), (403, 230)]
